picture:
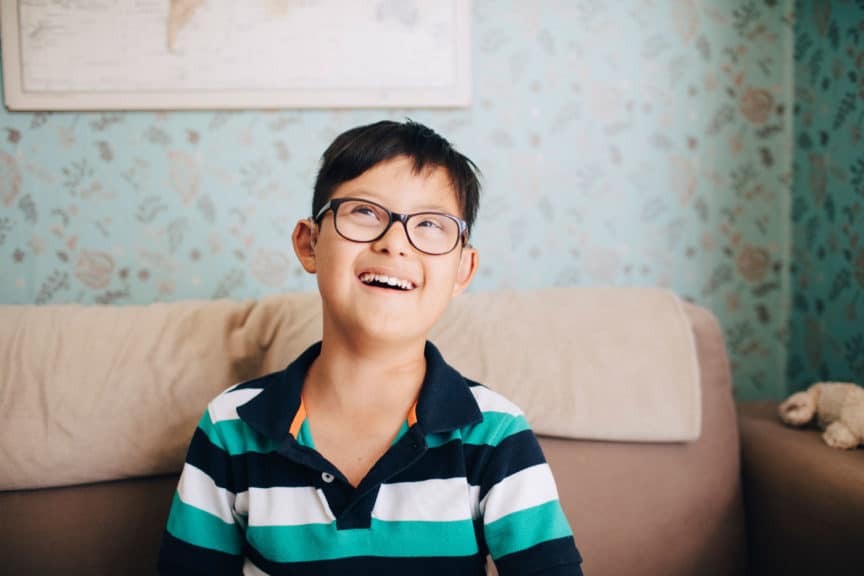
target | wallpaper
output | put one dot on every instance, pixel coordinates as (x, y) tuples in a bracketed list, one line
[(630, 143), (827, 324)]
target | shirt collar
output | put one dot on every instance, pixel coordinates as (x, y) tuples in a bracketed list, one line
[(445, 402)]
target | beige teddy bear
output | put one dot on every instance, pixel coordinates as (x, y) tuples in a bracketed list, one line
[(839, 408)]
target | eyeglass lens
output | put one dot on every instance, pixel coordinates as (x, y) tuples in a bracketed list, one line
[(428, 231)]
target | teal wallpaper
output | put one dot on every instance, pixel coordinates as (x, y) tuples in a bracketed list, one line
[(623, 143), (827, 324)]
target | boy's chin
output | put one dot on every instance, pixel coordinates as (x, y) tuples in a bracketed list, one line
[(374, 323), (390, 333), (382, 328)]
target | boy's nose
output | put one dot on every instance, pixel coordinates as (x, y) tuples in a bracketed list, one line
[(394, 241)]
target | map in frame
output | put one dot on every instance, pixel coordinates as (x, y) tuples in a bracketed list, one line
[(212, 54)]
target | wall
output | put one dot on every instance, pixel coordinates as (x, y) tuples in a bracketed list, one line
[(827, 324), (623, 143)]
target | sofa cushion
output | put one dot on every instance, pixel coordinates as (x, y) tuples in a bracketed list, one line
[(94, 393), (589, 363), (670, 509)]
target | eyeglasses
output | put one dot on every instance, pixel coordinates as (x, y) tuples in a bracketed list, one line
[(359, 220)]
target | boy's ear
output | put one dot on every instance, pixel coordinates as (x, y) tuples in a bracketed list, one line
[(468, 262), (304, 238)]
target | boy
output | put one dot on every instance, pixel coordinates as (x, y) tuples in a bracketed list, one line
[(369, 454)]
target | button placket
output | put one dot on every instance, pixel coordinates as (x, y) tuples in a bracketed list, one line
[(325, 504)]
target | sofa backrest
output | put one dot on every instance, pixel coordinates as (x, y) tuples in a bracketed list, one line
[(95, 393), (92, 393), (674, 509)]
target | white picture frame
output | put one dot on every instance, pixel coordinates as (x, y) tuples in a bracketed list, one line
[(55, 60)]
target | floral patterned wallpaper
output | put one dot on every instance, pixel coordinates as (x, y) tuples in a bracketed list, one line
[(827, 324), (623, 143)]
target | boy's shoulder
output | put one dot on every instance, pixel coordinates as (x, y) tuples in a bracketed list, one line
[(501, 417), (224, 405), (488, 400)]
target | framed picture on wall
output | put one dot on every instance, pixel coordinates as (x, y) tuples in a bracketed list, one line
[(225, 54)]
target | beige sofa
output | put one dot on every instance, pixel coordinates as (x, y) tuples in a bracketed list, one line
[(629, 389)]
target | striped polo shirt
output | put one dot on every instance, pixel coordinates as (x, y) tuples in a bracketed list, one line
[(465, 477)]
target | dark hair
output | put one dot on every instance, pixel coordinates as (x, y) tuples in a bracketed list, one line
[(354, 152)]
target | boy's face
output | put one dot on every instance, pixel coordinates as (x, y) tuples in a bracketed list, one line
[(356, 308)]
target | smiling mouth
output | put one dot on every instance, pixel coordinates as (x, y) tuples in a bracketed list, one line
[(383, 281)]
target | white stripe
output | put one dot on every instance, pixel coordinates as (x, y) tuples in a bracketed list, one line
[(288, 506), (249, 569), (524, 489), (224, 406), (241, 503), (490, 401), (474, 497), (438, 500), (197, 489)]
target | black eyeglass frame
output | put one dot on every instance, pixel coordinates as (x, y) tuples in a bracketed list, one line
[(334, 203)]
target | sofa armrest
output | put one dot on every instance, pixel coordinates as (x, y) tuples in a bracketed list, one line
[(804, 501), (103, 528)]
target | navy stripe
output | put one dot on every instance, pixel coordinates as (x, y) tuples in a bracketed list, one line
[(441, 462), (178, 557), (271, 470), (252, 469), (557, 557), (489, 465), (457, 460), (258, 383), (214, 461), (366, 565), (483, 465)]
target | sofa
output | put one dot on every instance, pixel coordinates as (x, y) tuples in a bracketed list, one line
[(658, 469)]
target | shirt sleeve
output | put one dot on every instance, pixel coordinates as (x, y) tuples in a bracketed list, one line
[(203, 534), (524, 526)]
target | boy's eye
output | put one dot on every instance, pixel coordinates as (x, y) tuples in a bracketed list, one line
[(433, 225), (429, 223), (365, 211)]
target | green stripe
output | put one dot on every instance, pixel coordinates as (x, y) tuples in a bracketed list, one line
[(436, 440), (234, 436), (304, 435), (526, 528), (402, 430), (201, 528), (312, 542), (495, 427)]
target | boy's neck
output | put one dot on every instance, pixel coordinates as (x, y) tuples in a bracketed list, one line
[(354, 378)]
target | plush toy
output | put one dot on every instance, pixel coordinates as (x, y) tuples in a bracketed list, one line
[(838, 407)]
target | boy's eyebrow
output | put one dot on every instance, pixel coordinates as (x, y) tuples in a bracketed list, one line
[(364, 194)]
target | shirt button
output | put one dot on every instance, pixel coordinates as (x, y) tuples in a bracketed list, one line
[(327, 477)]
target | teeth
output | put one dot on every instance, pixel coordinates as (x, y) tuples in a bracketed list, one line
[(368, 278)]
